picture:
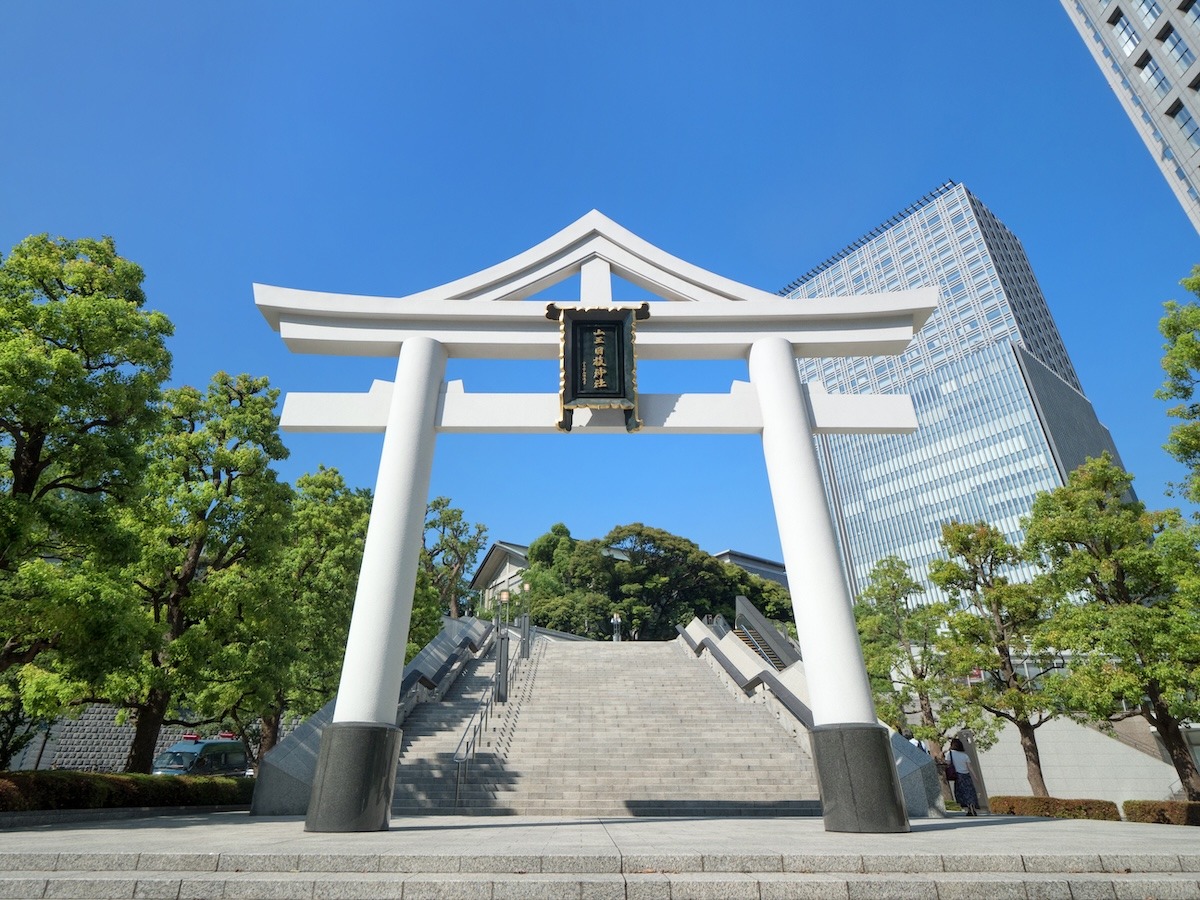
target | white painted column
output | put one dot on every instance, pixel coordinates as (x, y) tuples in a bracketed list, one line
[(373, 669), (833, 661)]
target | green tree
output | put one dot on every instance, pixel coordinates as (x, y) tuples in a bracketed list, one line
[(280, 650), (769, 597), (552, 575), (661, 579), (1132, 625), (17, 727), (993, 641), (901, 647), (212, 520), (552, 551), (653, 578), (81, 363), (1181, 362), (450, 546), (426, 619)]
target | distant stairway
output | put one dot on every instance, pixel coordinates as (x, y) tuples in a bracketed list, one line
[(634, 728), (752, 639)]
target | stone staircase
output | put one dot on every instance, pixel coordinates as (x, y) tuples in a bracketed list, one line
[(600, 729)]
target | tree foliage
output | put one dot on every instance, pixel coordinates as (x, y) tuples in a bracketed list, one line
[(81, 362), (901, 646), (282, 656), (213, 514), (653, 578), (450, 546), (17, 727), (1132, 623), (992, 641), (1181, 362), (148, 554)]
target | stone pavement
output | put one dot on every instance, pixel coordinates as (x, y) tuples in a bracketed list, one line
[(233, 855)]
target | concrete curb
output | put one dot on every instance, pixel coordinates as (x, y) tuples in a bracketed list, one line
[(33, 817)]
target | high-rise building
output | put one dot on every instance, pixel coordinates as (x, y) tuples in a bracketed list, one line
[(1001, 415), (1147, 50)]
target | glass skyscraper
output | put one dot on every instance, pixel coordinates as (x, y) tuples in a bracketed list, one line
[(1001, 414)]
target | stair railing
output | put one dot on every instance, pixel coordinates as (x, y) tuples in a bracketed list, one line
[(754, 639), (521, 688), (476, 725)]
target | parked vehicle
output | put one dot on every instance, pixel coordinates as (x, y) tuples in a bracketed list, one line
[(193, 756)]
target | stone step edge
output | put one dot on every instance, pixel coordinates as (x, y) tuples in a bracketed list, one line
[(537, 886), (15, 864)]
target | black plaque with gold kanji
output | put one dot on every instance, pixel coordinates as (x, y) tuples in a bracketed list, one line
[(597, 361)]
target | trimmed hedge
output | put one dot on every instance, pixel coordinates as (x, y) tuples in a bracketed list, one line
[(23, 791), (1055, 808), (1163, 812)]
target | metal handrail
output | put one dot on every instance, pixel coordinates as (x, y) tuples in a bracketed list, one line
[(753, 638), (469, 742)]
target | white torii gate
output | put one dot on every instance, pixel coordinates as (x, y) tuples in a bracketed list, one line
[(721, 319)]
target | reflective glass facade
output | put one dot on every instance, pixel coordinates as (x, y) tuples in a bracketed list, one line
[(1001, 414)]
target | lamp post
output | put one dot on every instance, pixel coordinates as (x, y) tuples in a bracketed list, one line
[(502, 652), (526, 637)]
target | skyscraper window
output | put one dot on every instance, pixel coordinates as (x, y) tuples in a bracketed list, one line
[(1191, 14), (1127, 38), (1155, 78), (1177, 49), (1187, 124), (1149, 10)]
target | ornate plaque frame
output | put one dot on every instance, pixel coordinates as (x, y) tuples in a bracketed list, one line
[(597, 360)]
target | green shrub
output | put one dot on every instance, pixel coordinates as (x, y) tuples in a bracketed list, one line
[(20, 791), (1055, 808), (1163, 812)]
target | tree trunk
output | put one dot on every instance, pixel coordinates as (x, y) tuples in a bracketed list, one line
[(1033, 759), (270, 731), (272, 724), (150, 717), (929, 719), (1177, 747)]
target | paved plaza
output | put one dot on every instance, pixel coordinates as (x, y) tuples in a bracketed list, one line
[(234, 855)]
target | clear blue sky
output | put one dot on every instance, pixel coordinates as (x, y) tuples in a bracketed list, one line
[(386, 148)]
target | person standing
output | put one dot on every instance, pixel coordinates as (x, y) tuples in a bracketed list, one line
[(616, 627), (965, 794)]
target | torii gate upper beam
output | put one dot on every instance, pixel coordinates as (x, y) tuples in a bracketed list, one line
[(350, 325)]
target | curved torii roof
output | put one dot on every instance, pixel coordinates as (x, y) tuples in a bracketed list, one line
[(708, 326)]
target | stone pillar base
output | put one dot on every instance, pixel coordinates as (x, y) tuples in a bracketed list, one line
[(860, 790), (355, 778)]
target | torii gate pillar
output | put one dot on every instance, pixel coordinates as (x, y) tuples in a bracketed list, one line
[(855, 768), (721, 319), (356, 769)]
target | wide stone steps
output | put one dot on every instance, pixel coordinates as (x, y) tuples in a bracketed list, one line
[(526, 874), (638, 729)]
